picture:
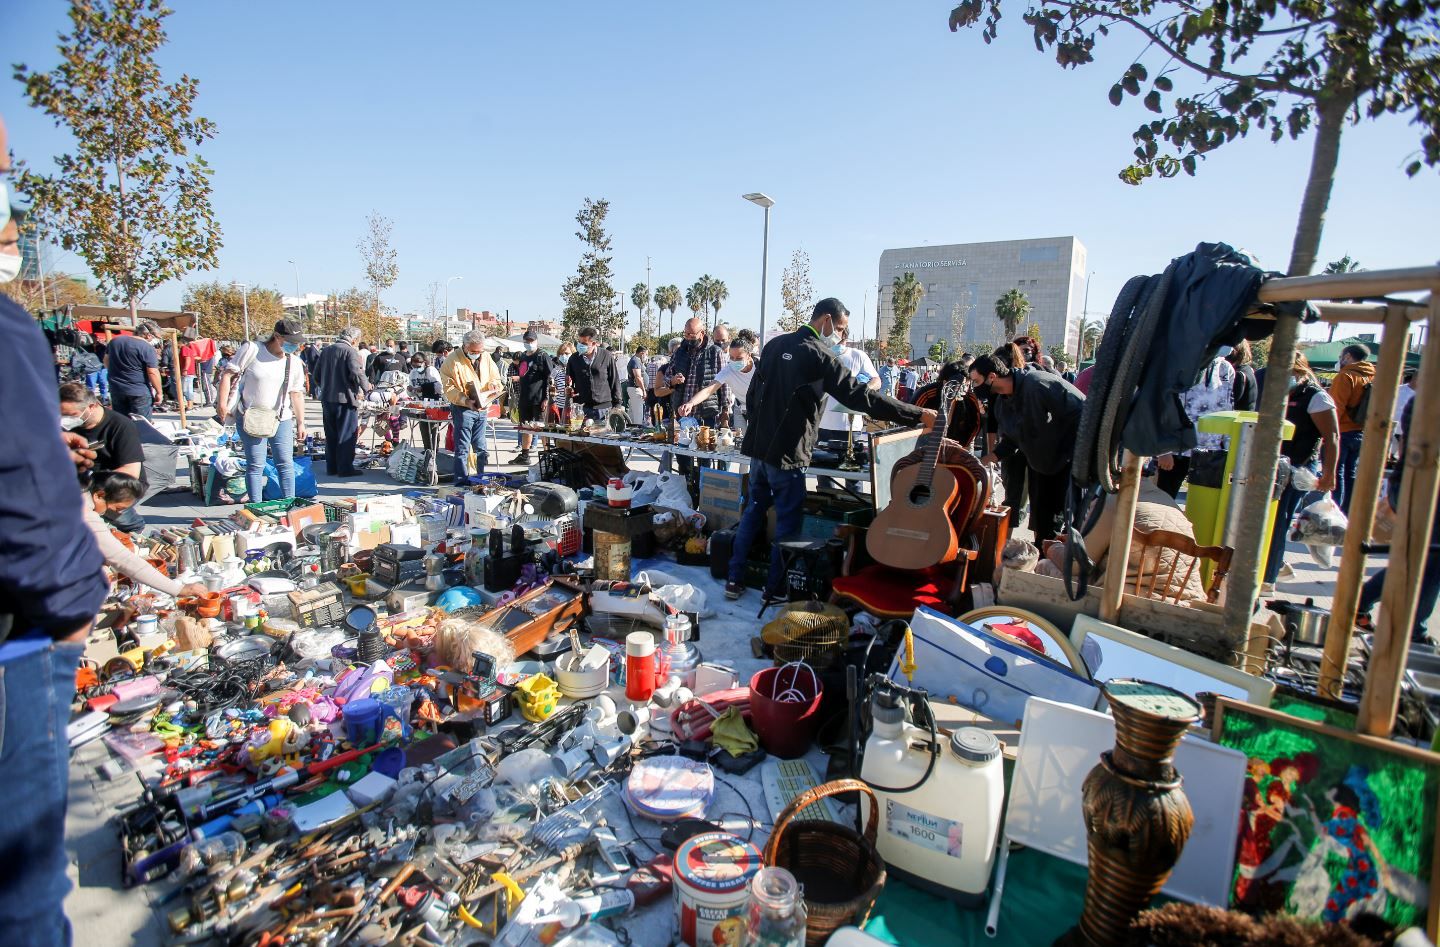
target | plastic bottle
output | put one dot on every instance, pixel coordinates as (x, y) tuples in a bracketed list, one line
[(475, 558), (572, 911), (777, 913)]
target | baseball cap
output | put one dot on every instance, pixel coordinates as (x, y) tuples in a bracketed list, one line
[(530, 336), (290, 330)]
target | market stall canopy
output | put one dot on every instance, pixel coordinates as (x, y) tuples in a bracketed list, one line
[(505, 345), (120, 316), (1323, 356), (547, 342), (923, 362)]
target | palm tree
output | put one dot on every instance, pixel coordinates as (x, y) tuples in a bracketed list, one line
[(906, 293), (667, 298), (1343, 265), (1011, 309), (719, 292), (695, 296), (1090, 332), (640, 297)]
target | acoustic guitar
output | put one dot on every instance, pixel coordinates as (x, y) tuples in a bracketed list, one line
[(915, 532)]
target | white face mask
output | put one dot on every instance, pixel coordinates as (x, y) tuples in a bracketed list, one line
[(9, 266), (831, 338), (531, 346), (68, 423)]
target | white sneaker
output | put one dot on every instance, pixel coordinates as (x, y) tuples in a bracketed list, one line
[(1287, 571), (1267, 588)]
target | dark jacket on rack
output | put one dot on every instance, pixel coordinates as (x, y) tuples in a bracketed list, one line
[(597, 381), (1039, 419), (787, 399)]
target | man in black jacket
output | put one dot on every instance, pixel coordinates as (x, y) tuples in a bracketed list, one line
[(595, 376), (784, 406), (532, 390), (340, 384), (1037, 412)]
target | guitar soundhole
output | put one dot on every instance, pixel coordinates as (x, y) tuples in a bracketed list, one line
[(919, 495)]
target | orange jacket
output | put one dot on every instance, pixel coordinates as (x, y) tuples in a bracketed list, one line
[(1346, 390)]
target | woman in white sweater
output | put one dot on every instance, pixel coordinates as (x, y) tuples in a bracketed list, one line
[(112, 492)]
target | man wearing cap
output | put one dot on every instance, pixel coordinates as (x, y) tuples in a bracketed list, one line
[(263, 388), (533, 391)]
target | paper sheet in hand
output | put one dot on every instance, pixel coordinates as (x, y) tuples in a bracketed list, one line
[(1060, 743)]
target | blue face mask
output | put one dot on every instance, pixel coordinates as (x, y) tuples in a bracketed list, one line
[(582, 348), (290, 347), (838, 347)]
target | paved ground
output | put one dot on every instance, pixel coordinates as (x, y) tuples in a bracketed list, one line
[(105, 913)]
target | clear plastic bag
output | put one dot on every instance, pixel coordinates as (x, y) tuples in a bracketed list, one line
[(1321, 527), (1303, 479)]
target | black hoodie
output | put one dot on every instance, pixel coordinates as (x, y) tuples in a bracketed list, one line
[(787, 399)]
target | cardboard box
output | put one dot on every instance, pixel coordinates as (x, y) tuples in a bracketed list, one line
[(722, 497), (303, 516)]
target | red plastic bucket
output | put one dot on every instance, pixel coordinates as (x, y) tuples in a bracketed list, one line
[(785, 728)]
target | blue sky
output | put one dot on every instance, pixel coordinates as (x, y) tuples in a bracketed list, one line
[(480, 127)]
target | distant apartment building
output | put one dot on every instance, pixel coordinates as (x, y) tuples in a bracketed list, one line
[(963, 281)]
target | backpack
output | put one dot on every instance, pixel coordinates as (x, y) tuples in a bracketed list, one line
[(1360, 410)]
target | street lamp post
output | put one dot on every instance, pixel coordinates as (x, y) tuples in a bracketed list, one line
[(766, 202), (447, 297), (244, 304), (298, 301)]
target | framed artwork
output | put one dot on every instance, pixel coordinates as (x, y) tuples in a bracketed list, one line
[(1332, 823)]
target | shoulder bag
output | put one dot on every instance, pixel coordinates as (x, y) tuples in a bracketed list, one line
[(259, 420)]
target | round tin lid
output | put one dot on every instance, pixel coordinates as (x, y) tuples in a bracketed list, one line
[(716, 863), (974, 745)]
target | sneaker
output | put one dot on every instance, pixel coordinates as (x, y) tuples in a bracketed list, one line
[(1287, 571), (734, 590), (522, 458), (1267, 588)]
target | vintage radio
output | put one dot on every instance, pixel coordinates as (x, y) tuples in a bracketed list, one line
[(398, 563)]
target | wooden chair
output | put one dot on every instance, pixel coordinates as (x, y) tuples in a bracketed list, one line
[(1155, 540), (896, 593)]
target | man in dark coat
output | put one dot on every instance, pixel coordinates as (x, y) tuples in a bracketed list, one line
[(339, 382)]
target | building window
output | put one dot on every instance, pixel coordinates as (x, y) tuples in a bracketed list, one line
[(930, 337)]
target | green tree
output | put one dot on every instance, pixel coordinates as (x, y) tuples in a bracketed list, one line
[(719, 292), (354, 307), (1278, 67), (695, 296), (1033, 332), (1011, 309), (640, 297), (906, 293), (1090, 332), (221, 307), (1343, 265), (382, 268), (1059, 354), (940, 351), (797, 296), (588, 294), (668, 299), (131, 196)]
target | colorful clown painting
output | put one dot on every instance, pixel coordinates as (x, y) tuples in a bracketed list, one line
[(1333, 825)]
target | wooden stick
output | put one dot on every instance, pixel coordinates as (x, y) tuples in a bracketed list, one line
[(1118, 557), (178, 378), (1350, 285), (1366, 489), (1249, 538), (1410, 545)]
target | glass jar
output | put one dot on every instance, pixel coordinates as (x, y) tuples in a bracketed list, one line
[(777, 910)]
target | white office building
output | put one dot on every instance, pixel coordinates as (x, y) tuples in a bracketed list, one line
[(963, 281)]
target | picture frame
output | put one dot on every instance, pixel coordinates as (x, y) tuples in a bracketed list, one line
[(1332, 822), (887, 448), (1128, 654)]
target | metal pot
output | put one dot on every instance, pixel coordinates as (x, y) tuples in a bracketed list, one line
[(1306, 625)]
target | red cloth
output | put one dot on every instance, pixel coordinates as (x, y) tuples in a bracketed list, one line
[(189, 358), (204, 349), (896, 593)]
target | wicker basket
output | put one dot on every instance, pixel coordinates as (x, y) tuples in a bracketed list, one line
[(838, 868)]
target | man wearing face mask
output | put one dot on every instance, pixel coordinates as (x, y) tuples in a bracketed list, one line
[(835, 425), (784, 405), (594, 376), (386, 360), (51, 586), (471, 384), (270, 406), (693, 369), (533, 391)]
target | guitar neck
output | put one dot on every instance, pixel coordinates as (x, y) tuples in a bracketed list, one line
[(933, 442)]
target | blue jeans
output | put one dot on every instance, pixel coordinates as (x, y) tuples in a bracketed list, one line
[(471, 429), (128, 403), (37, 683), (1345, 470), (99, 383), (769, 486), (281, 446), (1291, 502), (1429, 592)]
